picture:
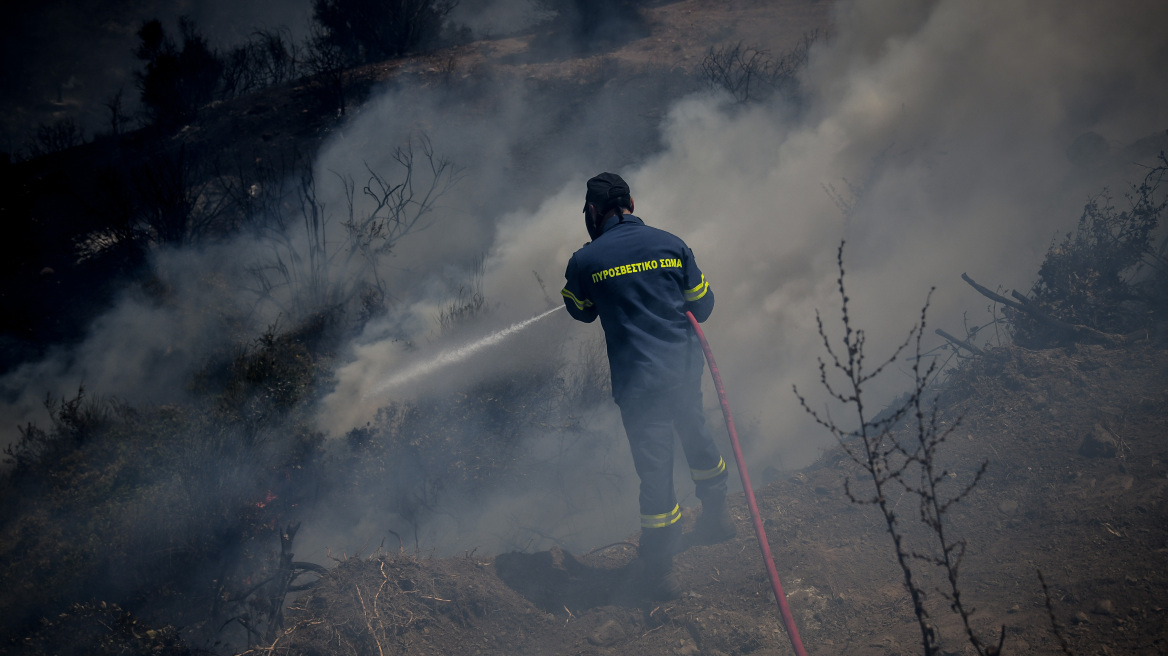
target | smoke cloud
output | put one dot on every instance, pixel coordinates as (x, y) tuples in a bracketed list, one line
[(950, 122), (944, 127), (932, 136)]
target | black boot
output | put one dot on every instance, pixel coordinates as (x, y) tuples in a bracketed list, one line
[(714, 525), (658, 582)]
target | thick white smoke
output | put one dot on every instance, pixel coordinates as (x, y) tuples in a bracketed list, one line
[(944, 126), (951, 119)]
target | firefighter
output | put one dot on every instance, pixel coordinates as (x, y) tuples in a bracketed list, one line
[(641, 281)]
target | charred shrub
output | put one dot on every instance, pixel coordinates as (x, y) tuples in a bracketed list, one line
[(275, 372), (54, 137), (268, 58), (900, 451), (368, 30), (172, 511), (102, 629), (73, 422), (416, 453), (1107, 274), (175, 81), (602, 20), (306, 269), (326, 64), (750, 73), (152, 196), (149, 512)]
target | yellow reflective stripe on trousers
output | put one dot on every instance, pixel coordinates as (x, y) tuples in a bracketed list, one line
[(706, 474), (696, 293), (580, 305), (662, 520)]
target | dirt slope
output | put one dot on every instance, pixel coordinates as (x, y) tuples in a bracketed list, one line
[(1077, 487)]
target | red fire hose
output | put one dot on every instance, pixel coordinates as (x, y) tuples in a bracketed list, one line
[(784, 609)]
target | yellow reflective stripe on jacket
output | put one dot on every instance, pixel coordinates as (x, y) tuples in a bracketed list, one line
[(696, 293), (662, 520), (580, 305), (706, 474)]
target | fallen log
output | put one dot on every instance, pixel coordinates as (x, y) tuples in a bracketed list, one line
[(1075, 332), (991, 295), (965, 344)]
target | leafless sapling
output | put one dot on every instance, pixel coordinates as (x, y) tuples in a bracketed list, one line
[(318, 262), (54, 137), (751, 73), (269, 57), (326, 66), (901, 459)]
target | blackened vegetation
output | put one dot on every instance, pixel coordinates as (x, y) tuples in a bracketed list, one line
[(1106, 282), (84, 217), (369, 30), (269, 58), (101, 629), (176, 81), (903, 461), (160, 198), (415, 456), (148, 195), (74, 421), (315, 258), (59, 135), (181, 75), (328, 68), (750, 73), (184, 516), (592, 24), (347, 33), (87, 222), (170, 512), (173, 511), (1107, 274)]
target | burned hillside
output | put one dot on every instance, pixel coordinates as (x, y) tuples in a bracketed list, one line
[(1076, 487), (285, 366)]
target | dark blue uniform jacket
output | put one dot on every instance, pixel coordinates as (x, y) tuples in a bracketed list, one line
[(640, 281)]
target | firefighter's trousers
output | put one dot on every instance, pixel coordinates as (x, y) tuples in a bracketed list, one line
[(650, 421)]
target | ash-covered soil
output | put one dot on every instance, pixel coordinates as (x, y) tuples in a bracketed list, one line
[(1076, 487)]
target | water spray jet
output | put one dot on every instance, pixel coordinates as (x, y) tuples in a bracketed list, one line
[(452, 356)]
